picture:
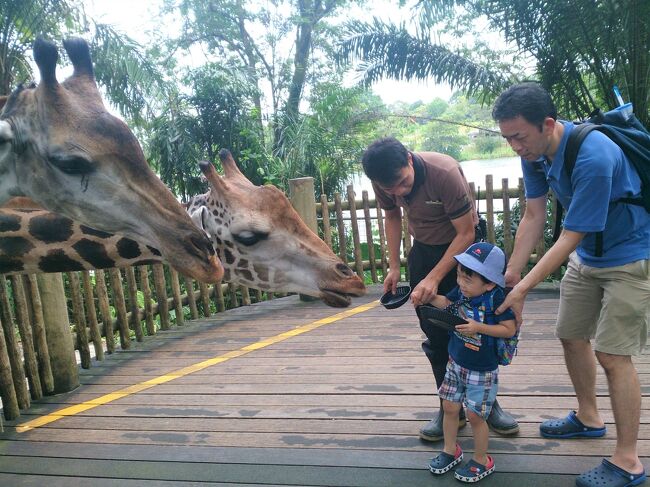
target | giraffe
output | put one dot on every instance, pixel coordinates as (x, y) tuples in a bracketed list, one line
[(60, 147), (263, 241)]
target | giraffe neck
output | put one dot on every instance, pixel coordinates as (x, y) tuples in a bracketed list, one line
[(34, 241)]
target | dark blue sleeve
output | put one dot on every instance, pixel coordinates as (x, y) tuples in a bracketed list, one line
[(453, 295)]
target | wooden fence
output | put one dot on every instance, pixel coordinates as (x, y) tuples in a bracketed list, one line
[(132, 303)]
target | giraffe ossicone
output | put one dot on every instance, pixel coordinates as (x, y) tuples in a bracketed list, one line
[(60, 147)]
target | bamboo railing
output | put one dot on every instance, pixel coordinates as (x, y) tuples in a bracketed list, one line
[(131, 304)]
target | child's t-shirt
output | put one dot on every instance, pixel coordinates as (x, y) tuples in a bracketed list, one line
[(476, 352)]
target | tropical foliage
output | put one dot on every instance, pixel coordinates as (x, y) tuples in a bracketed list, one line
[(578, 49)]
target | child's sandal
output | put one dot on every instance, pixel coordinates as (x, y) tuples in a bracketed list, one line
[(444, 462)]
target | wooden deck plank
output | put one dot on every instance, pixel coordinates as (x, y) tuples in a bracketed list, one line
[(339, 405)]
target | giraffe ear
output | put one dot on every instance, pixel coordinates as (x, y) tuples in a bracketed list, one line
[(230, 168), (46, 56), (217, 182)]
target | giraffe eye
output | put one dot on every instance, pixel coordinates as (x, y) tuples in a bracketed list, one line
[(249, 238), (72, 164)]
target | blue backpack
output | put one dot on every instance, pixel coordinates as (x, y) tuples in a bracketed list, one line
[(506, 347), (624, 129)]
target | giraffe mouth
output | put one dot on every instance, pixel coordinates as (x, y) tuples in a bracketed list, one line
[(335, 299)]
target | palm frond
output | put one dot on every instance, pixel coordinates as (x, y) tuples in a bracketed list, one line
[(390, 51)]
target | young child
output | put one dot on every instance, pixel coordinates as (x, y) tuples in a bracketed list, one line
[(472, 370)]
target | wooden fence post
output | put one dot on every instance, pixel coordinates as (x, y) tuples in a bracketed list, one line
[(301, 195), (57, 332), (301, 192)]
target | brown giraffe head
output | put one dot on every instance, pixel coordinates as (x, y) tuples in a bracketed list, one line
[(60, 147), (262, 241)]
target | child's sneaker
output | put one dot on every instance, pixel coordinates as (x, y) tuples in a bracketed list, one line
[(474, 471), (444, 462)]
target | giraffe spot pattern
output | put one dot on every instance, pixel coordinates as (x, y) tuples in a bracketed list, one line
[(230, 259), (50, 228), (154, 251), (9, 223), (94, 232), (262, 272), (127, 248), (15, 247), (7, 264), (94, 253), (58, 261), (245, 273)]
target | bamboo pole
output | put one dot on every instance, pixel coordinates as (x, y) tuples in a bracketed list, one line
[(15, 360), (27, 341), (204, 293), (221, 302), (191, 299), (120, 308), (327, 230), (489, 203), (355, 232), (79, 319), (176, 294), (382, 241), (232, 290), (507, 225), (143, 274), (105, 310), (259, 295), (161, 295), (7, 389), (369, 236), (134, 318), (91, 314), (245, 296), (40, 337), (343, 253)]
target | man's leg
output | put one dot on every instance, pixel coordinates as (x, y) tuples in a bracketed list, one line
[(625, 393), (581, 365)]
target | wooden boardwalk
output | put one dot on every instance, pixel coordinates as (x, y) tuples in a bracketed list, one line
[(338, 402)]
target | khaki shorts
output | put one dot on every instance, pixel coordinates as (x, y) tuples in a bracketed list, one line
[(609, 304)]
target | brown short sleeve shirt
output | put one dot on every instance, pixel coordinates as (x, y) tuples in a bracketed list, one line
[(441, 194)]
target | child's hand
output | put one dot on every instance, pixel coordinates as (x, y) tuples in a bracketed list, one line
[(470, 328)]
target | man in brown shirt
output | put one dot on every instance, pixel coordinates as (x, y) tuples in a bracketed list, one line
[(432, 189)]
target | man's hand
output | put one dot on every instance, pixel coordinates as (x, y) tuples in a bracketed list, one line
[(391, 280), (514, 300), (512, 278), (425, 291)]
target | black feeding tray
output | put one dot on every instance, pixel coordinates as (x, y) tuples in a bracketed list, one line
[(440, 318), (392, 301)]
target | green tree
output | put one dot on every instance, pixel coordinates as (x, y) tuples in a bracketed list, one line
[(580, 49), (217, 113)]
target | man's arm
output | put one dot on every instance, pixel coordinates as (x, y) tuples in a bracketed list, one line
[(393, 226), (552, 259), (465, 233), (528, 234)]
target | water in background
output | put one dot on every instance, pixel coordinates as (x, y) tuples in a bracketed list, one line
[(475, 171)]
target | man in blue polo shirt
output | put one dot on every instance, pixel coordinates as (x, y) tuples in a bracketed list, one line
[(605, 296)]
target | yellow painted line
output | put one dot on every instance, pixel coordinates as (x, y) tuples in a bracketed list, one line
[(148, 384)]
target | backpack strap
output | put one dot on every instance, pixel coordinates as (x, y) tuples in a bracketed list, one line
[(576, 137)]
